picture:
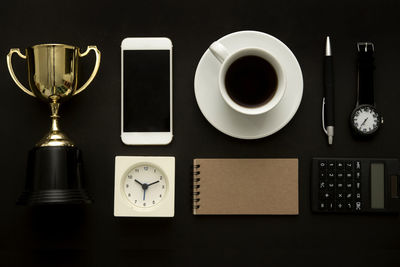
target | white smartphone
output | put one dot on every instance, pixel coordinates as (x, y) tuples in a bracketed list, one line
[(146, 91)]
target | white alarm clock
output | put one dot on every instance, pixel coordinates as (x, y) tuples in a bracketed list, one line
[(144, 186)]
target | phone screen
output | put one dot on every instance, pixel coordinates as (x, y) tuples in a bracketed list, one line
[(146, 78)]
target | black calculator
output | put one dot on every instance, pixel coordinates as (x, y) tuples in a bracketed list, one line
[(355, 185)]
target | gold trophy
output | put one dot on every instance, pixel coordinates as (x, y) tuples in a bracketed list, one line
[(54, 173)]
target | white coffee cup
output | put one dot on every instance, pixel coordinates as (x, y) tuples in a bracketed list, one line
[(226, 58)]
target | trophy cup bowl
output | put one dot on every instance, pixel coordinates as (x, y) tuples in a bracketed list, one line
[(54, 172)]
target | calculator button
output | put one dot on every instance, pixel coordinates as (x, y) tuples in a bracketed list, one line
[(322, 165), (339, 185), (331, 175), (339, 165), (358, 185), (326, 196), (331, 165), (349, 175), (349, 165), (349, 205), (339, 182), (357, 165), (349, 185)]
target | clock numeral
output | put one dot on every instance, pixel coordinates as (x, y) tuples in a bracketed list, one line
[(160, 178), (129, 176), (160, 195), (127, 185), (155, 170), (146, 168), (136, 170), (163, 186), (135, 200), (129, 194), (154, 202), (144, 204)]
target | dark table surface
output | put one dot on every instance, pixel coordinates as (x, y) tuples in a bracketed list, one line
[(92, 236)]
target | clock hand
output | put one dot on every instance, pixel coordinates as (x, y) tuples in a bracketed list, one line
[(364, 121), (144, 194), (153, 183), (138, 182)]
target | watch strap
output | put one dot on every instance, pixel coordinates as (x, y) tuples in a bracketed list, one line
[(365, 73)]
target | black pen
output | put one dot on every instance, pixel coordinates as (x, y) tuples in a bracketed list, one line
[(328, 104)]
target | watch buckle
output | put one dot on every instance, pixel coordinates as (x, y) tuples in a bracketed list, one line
[(366, 45)]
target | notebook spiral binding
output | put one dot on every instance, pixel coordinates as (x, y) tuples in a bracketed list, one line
[(196, 187)]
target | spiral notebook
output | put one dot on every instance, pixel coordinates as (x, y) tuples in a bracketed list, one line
[(245, 186)]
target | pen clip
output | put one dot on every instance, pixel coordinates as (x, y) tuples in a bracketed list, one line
[(323, 116)]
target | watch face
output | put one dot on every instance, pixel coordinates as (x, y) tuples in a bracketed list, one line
[(365, 120), (145, 185)]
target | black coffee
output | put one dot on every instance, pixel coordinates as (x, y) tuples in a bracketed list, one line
[(251, 81)]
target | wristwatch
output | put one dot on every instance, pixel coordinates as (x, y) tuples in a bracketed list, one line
[(365, 120)]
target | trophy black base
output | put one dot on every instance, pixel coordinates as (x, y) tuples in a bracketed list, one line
[(54, 176)]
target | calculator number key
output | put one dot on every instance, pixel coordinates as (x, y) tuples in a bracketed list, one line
[(349, 206), (326, 196), (349, 165), (339, 165), (331, 165)]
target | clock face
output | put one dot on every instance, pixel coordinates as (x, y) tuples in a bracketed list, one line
[(145, 185), (365, 119)]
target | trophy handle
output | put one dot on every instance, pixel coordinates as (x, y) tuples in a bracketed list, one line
[(11, 70), (96, 66)]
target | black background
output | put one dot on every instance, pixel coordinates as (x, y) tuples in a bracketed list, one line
[(91, 236)]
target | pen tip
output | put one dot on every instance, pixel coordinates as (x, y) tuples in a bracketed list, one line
[(328, 51)]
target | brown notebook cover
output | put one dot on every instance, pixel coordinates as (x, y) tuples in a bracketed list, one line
[(245, 186)]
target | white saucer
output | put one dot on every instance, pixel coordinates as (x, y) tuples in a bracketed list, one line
[(236, 124)]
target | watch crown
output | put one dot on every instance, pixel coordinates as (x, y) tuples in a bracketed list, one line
[(381, 120)]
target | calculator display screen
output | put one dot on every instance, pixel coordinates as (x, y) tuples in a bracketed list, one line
[(377, 186)]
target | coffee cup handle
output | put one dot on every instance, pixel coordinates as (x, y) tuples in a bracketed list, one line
[(11, 70), (95, 69), (219, 51)]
